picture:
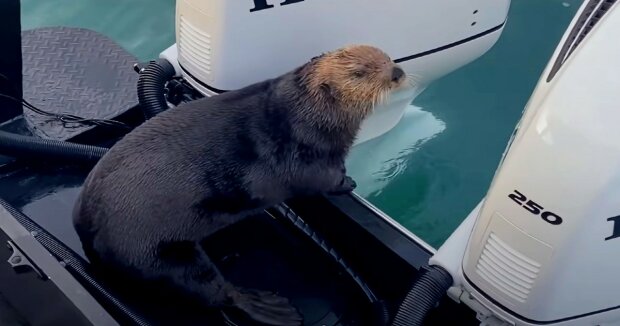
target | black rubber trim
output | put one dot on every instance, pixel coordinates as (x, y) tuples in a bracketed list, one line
[(407, 58), (403, 246), (11, 58), (531, 321), (213, 89), (451, 45), (75, 264)]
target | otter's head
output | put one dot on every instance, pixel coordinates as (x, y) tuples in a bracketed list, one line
[(354, 78)]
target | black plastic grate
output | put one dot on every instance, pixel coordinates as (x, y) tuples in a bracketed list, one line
[(591, 15)]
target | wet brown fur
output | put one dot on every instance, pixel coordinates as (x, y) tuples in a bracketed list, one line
[(342, 87)]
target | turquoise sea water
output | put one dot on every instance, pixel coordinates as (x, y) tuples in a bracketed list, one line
[(435, 166)]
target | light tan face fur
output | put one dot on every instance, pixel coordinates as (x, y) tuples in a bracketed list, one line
[(358, 77)]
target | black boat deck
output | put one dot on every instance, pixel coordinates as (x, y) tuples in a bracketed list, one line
[(266, 251)]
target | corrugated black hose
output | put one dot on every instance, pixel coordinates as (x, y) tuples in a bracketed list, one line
[(20, 146), (151, 84), (425, 293)]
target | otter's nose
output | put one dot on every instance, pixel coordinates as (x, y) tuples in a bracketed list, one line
[(397, 74)]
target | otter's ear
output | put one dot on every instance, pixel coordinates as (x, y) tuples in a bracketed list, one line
[(317, 57), (327, 91)]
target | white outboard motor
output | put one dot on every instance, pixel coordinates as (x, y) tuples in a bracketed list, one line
[(224, 45), (544, 246)]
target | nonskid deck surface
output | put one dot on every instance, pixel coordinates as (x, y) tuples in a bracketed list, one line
[(76, 71)]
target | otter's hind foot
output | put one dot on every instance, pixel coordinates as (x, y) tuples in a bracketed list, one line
[(266, 307)]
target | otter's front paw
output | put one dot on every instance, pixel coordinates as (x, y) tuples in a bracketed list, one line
[(346, 186)]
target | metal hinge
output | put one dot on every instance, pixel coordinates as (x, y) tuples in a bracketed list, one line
[(21, 263)]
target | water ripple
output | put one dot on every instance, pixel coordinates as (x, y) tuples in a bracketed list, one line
[(377, 162)]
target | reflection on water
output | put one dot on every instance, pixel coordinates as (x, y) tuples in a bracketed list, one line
[(375, 163)]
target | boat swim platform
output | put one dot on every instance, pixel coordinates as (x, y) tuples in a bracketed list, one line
[(74, 71)]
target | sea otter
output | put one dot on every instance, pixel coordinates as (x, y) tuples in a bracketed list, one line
[(203, 165)]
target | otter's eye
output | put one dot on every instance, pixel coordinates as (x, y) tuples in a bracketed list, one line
[(358, 73)]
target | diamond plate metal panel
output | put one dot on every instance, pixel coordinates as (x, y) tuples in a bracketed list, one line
[(75, 71)]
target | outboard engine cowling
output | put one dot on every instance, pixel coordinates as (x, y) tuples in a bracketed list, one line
[(224, 45), (544, 246)]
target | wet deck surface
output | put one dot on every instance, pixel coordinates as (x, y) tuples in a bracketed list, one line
[(278, 260), (9, 315), (46, 195)]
